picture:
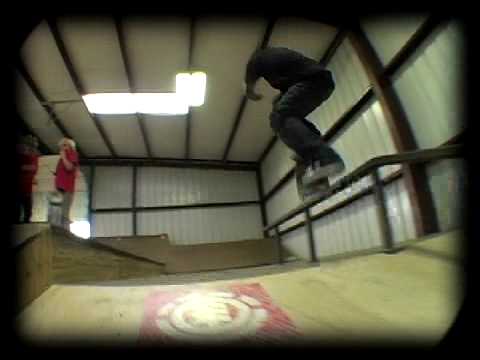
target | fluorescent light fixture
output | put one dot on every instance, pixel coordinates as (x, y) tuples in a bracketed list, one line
[(191, 87), (146, 103), (160, 103), (110, 103), (190, 91), (80, 229)]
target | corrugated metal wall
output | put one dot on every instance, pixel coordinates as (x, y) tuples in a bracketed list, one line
[(209, 225), (351, 83), (349, 229), (112, 187), (399, 211), (448, 182), (163, 186), (112, 224), (388, 34), (368, 136), (178, 186), (285, 199), (431, 89)]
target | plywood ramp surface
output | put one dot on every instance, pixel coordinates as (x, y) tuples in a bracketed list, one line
[(234, 254), (154, 248), (408, 297), (201, 257), (76, 260)]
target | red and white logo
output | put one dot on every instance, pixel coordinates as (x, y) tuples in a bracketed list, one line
[(218, 315)]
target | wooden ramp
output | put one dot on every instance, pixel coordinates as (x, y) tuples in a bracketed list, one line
[(46, 256), (77, 260), (194, 258), (410, 297)]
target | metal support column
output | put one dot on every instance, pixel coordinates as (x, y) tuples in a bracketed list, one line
[(134, 201), (385, 228), (311, 239), (279, 245)]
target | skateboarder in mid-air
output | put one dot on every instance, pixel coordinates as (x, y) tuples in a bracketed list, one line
[(304, 84)]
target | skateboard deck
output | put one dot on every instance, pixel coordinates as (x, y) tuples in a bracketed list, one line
[(305, 192)]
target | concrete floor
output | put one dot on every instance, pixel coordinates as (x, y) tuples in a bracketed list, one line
[(412, 296)]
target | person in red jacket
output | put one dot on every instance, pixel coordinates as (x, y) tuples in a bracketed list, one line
[(28, 160), (65, 175)]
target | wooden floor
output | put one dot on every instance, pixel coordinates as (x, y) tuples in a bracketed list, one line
[(410, 296)]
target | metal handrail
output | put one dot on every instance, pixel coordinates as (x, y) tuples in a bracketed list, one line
[(418, 156)]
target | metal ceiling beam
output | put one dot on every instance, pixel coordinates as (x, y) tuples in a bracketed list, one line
[(45, 104), (168, 162), (76, 81), (188, 121), (416, 180), (243, 102), (327, 56), (131, 83)]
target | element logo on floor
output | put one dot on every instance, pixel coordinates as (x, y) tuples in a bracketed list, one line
[(238, 312)]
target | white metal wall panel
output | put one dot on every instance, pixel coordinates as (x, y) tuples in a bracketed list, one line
[(349, 229), (112, 187), (199, 226), (39, 206), (79, 210), (388, 34), (226, 44), (448, 181), (430, 87), (181, 186), (113, 224), (276, 165), (35, 115), (399, 211), (351, 83), (310, 38), (367, 137), (296, 242), (282, 202)]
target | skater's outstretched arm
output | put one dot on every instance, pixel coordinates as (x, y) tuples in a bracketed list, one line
[(251, 77)]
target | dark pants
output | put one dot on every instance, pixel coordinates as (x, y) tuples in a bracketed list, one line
[(287, 118), (25, 203)]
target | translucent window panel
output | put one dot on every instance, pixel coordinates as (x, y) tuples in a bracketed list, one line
[(388, 33), (431, 90)]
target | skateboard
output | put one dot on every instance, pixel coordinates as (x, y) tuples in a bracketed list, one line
[(318, 187), (55, 200)]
